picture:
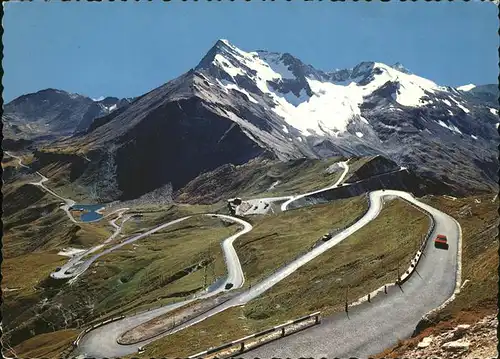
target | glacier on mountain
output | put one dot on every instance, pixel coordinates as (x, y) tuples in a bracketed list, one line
[(313, 102)]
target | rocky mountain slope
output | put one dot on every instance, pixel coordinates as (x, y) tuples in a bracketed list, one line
[(482, 94), (51, 113), (468, 341), (274, 178), (237, 105)]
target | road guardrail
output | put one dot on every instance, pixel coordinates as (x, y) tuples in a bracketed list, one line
[(183, 321), (241, 341), (413, 263)]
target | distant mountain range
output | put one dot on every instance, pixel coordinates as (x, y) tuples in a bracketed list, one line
[(237, 105), (52, 113)]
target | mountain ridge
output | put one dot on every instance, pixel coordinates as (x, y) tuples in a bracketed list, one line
[(274, 104), (50, 112)]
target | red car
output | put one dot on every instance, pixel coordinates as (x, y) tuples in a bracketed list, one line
[(441, 242)]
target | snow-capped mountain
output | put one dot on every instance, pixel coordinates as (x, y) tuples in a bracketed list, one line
[(315, 103), (236, 105), (51, 112)]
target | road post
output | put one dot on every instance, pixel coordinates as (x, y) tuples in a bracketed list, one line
[(399, 277), (346, 305)]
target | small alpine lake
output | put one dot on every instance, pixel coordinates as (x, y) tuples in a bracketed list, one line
[(88, 211)]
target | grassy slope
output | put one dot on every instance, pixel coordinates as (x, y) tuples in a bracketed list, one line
[(146, 267), (308, 177), (27, 158), (276, 239), (35, 230), (365, 261), (59, 182), (478, 297), (355, 164), (152, 216), (31, 240), (135, 277), (48, 345), (33, 236), (272, 243), (33, 221), (24, 272), (256, 177), (9, 162)]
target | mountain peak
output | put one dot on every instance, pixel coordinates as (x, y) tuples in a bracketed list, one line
[(221, 47), (223, 42)]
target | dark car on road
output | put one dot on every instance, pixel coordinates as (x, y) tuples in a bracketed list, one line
[(441, 242), (326, 237), (228, 286)]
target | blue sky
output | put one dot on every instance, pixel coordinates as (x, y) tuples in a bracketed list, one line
[(125, 49)]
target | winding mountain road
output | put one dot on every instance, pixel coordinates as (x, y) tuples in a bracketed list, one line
[(369, 328), (400, 308), (19, 159), (68, 203), (344, 165), (263, 205), (72, 269), (102, 341)]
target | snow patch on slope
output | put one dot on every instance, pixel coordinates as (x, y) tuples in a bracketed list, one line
[(221, 61), (450, 127), (230, 86), (466, 87), (460, 105), (328, 111), (397, 128)]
